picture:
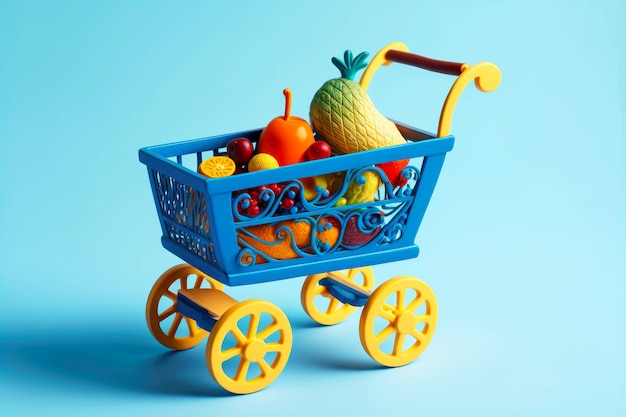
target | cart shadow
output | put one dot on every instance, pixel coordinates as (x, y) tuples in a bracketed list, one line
[(114, 359), (328, 347), (105, 363)]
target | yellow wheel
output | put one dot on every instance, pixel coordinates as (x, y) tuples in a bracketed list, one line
[(398, 321), (321, 306), (249, 346), (164, 321)]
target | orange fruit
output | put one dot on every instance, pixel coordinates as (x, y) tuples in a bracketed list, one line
[(276, 232), (217, 166), (287, 137)]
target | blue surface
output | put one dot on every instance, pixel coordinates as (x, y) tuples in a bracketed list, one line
[(523, 241)]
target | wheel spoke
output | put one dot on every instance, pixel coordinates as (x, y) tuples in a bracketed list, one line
[(238, 334), (191, 324), (183, 282), (415, 303), (424, 318), (174, 327), (398, 344), (320, 290), (253, 327), (198, 282), (170, 295), (230, 353), (265, 367), (384, 333), (332, 305), (352, 273), (242, 369), (268, 331), (400, 299), (165, 314), (389, 307), (278, 347), (417, 335), (387, 315)]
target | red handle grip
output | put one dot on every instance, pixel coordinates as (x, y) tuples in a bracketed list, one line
[(443, 67)]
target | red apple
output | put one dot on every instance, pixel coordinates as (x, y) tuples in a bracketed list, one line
[(318, 150), (240, 150)]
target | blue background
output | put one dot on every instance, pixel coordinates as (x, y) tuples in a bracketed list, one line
[(524, 242)]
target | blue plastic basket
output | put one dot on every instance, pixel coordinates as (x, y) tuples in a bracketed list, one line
[(201, 223)]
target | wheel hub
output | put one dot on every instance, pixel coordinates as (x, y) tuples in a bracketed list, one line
[(254, 350), (405, 322)]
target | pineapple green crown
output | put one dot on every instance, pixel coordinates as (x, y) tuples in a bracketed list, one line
[(350, 64)]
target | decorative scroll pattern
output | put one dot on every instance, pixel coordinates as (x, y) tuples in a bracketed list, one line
[(186, 210), (327, 222)]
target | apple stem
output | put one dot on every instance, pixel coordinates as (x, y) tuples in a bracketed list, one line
[(287, 93)]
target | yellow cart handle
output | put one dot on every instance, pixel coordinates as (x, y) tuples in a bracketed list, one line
[(486, 76)]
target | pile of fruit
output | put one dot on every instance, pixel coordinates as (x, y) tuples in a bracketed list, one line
[(285, 140), (343, 120)]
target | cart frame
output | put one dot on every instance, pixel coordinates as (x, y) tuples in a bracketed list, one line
[(201, 224)]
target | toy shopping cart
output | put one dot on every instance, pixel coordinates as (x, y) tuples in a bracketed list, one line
[(205, 222)]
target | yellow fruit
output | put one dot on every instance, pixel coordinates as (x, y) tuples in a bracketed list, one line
[(360, 190), (311, 184), (217, 166), (301, 231), (262, 161), (343, 114)]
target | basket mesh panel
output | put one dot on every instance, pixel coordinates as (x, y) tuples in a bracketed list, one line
[(183, 211)]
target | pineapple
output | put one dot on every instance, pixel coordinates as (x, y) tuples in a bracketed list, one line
[(345, 117)]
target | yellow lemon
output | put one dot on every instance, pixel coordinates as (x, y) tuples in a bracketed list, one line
[(262, 161)]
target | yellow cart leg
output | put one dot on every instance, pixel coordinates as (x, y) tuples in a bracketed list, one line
[(398, 321), (164, 320)]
